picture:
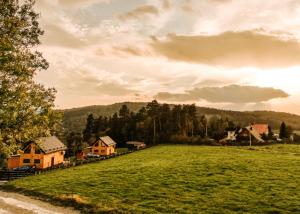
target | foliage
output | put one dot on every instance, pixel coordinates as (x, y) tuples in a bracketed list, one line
[(75, 119), (74, 143), (156, 123), (26, 108), (285, 131), (181, 179)]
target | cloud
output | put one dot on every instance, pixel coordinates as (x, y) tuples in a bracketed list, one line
[(226, 94), (188, 6), (80, 3), (58, 36), (166, 4), (114, 89), (140, 12), (212, 83), (231, 49)]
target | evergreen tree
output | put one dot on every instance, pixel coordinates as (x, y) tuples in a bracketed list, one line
[(88, 133), (26, 108), (283, 132), (153, 112), (74, 143)]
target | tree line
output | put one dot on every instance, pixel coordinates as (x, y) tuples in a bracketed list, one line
[(153, 124), (159, 123)]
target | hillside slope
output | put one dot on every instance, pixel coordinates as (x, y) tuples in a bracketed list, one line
[(75, 119)]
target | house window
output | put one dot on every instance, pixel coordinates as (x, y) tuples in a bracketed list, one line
[(37, 161), (27, 150), (26, 160), (96, 150), (62, 153), (102, 151), (96, 144)]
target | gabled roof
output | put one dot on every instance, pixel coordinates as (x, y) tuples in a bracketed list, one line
[(254, 133), (50, 144), (108, 141), (261, 128)]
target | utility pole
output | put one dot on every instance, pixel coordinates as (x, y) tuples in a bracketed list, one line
[(250, 139)]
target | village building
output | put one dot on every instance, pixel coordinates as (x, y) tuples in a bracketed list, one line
[(136, 145), (262, 129), (43, 153), (254, 132), (231, 137), (249, 134), (104, 146)]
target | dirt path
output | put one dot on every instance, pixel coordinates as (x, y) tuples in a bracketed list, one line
[(13, 203)]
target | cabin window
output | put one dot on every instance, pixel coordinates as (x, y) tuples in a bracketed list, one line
[(26, 160), (97, 144), (102, 151), (96, 151), (27, 150), (38, 151), (37, 161), (62, 153)]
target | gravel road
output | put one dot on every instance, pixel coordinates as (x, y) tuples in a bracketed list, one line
[(14, 203)]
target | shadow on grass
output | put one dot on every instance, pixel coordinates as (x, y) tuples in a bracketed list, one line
[(57, 201)]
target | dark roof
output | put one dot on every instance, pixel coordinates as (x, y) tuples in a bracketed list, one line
[(108, 141), (136, 143), (50, 144)]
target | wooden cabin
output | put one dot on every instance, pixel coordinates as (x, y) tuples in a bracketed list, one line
[(44, 153), (104, 146), (136, 145)]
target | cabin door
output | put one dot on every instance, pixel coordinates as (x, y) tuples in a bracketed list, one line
[(52, 161)]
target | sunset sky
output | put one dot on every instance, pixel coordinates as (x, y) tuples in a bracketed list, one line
[(229, 54)]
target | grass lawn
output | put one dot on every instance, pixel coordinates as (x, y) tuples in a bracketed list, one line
[(180, 179)]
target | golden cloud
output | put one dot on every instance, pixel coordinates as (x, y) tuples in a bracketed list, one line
[(226, 94), (139, 12), (231, 49)]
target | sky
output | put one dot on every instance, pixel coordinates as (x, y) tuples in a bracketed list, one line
[(227, 54)]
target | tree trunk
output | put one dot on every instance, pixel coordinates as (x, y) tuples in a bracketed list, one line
[(154, 131)]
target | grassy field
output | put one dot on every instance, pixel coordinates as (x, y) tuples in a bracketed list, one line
[(180, 179)]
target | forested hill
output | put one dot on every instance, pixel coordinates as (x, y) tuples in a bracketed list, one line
[(75, 119)]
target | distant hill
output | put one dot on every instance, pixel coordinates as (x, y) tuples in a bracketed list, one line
[(75, 119)]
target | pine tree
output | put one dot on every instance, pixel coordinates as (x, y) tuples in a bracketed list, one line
[(153, 112), (88, 133), (26, 108), (283, 131)]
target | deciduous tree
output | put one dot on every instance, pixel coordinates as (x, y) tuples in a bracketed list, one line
[(26, 107)]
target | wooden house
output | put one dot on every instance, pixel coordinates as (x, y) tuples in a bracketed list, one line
[(136, 145), (104, 146), (43, 153)]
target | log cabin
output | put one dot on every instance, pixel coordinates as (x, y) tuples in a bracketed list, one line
[(43, 153)]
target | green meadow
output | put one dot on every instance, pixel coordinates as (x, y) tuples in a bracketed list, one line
[(178, 179)]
